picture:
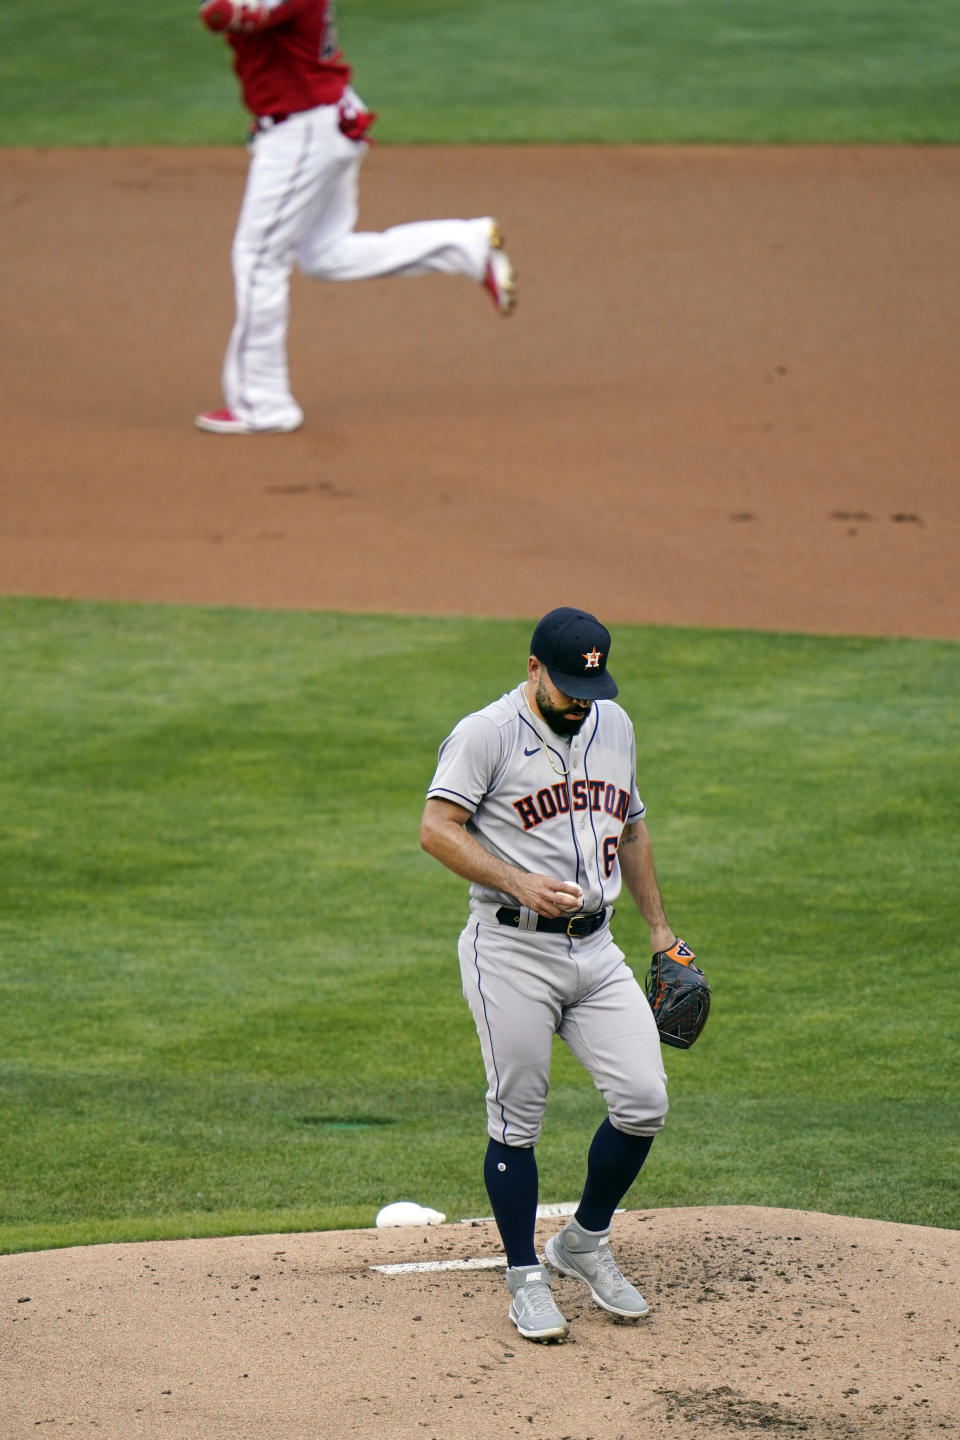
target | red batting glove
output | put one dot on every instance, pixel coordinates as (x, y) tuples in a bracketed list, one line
[(355, 127), (240, 16), (217, 14), (354, 118)]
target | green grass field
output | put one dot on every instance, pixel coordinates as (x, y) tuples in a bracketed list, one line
[(230, 998), (495, 71)]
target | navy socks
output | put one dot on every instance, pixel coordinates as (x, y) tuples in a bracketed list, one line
[(512, 1183), (613, 1163), (510, 1172)]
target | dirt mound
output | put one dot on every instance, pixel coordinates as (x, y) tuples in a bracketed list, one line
[(773, 1320)]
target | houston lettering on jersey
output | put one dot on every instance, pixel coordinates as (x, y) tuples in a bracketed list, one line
[(553, 800)]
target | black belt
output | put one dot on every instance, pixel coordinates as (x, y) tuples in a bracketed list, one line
[(577, 926)]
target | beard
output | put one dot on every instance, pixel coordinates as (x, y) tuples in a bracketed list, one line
[(563, 720)]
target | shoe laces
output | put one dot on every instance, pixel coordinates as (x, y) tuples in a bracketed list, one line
[(607, 1270), (539, 1298)]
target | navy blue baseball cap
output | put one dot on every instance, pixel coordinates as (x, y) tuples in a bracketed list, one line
[(574, 646)]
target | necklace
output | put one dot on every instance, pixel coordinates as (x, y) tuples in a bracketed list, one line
[(557, 769)]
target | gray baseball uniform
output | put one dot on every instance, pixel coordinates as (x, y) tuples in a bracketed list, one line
[(551, 805)]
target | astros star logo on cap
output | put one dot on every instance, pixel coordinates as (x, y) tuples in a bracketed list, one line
[(593, 658)]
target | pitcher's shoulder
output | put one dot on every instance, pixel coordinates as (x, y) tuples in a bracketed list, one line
[(613, 714), (502, 712)]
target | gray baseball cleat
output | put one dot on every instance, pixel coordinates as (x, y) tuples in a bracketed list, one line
[(532, 1308), (588, 1257)]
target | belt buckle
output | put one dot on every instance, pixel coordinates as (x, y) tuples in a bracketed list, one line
[(590, 923)]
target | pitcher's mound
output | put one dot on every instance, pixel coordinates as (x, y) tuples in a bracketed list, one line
[(761, 1320)]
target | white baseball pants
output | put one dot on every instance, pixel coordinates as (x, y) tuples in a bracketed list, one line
[(300, 207), (523, 989)]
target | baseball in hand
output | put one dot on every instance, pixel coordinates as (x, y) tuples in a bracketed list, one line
[(568, 898)]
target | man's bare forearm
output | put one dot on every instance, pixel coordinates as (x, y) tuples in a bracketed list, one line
[(635, 854), (444, 837)]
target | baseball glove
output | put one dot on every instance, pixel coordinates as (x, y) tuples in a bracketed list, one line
[(679, 995)]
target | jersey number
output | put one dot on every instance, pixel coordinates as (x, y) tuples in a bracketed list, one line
[(610, 846)]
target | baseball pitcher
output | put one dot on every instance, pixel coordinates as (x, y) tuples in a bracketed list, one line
[(535, 802)]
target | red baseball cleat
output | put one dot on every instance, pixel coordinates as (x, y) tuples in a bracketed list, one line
[(500, 280), (224, 422)]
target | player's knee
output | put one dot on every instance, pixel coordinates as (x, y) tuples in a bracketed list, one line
[(323, 261), (641, 1110), (521, 1132)]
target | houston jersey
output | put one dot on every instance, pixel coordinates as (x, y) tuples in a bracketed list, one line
[(546, 804)]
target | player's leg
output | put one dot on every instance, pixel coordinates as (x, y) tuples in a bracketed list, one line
[(335, 208), (612, 1033), (287, 166), (614, 1161), (445, 247), (516, 1015), (333, 250), (512, 1183), (515, 1018)]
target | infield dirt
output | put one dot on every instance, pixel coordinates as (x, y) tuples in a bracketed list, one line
[(728, 397)]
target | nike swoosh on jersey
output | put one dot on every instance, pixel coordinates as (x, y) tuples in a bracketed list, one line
[(533, 751)]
